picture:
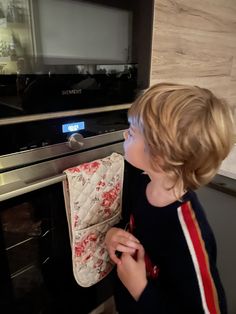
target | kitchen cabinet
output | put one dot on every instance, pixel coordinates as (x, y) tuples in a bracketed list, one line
[(220, 207), (194, 42)]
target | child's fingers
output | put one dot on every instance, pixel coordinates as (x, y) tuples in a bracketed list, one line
[(125, 234), (125, 249), (128, 242), (114, 258), (140, 253)]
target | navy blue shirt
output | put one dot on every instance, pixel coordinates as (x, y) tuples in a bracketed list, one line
[(180, 246)]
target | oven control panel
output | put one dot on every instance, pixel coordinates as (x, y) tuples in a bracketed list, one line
[(25, 136)]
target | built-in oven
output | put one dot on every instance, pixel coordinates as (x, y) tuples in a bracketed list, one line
[(36, 265), (61, 56), (69, 70)]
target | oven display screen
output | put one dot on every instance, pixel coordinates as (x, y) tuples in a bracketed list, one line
[(73, 127)]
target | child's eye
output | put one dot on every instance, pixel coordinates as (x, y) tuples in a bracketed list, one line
[(129, 133)]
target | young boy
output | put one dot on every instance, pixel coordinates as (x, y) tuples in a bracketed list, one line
[(178, 137)]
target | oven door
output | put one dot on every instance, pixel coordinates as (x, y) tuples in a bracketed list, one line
[(36, 273)]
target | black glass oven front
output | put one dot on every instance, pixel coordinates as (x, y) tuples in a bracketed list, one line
[(36, 272), (60, 55)]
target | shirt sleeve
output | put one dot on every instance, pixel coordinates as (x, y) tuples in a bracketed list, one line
[(151, 300), (188, 281)]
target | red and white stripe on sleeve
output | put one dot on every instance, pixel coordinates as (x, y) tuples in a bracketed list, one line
[(200, 258)]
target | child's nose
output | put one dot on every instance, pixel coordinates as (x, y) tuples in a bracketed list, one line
[(125, 134)]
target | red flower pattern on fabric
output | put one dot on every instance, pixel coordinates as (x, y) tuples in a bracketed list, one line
[(80, 246), (100, 184), (110, 196), (90, 167)]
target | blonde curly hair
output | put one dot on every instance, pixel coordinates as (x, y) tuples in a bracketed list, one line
[(188, 128)]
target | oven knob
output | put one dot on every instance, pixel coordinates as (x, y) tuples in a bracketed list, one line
[(75, 141)]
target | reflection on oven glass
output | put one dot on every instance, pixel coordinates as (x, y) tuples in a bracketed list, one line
[(19, 223), (27, 281)]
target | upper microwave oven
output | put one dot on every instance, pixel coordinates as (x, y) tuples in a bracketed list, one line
[(66, 55)]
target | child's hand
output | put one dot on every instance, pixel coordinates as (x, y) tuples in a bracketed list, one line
[(120, 240), (132, 272)]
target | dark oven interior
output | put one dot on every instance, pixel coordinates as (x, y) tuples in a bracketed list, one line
[(36, 276)]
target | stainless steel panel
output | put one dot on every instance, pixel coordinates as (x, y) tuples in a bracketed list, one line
[(53, 151), (20, 181), (62, 114)]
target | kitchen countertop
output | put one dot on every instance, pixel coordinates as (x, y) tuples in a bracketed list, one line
[(225, 180), (228, 166), (223, 184)]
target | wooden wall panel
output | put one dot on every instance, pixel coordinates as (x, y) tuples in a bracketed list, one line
[(195, 42)]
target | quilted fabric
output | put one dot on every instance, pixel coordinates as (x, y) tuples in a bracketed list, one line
[(93, 195)]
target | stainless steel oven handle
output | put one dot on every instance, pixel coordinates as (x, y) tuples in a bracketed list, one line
[(32, 186), (34, 177)]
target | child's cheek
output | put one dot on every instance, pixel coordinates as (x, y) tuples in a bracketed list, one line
[(125, 145)]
